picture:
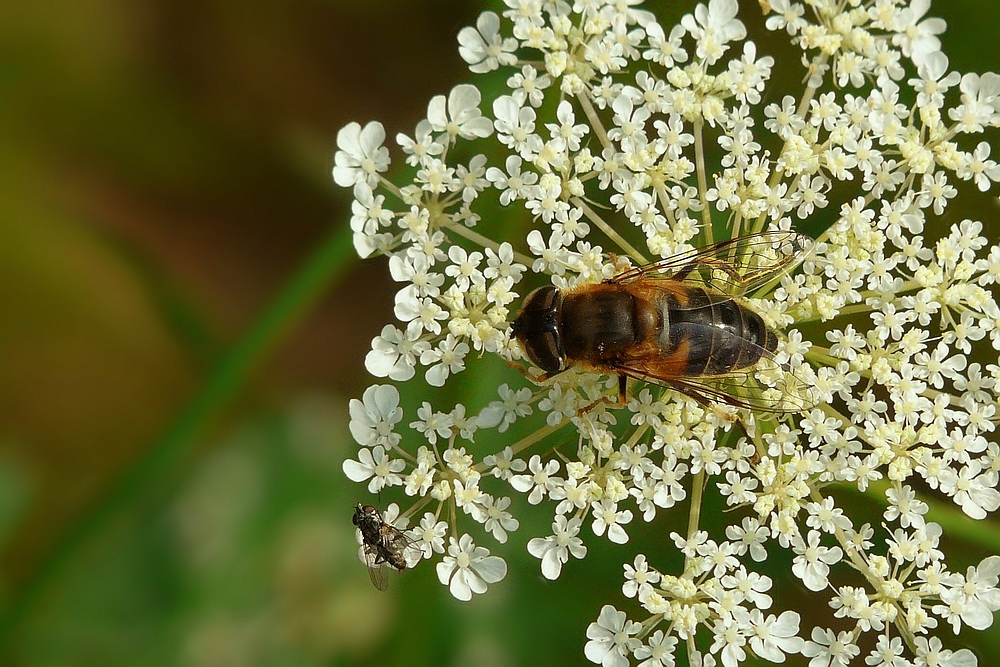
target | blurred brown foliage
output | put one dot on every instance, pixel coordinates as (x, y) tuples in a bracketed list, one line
[(166, 166)]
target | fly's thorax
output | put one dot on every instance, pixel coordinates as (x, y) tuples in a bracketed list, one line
[(600, 324), (368, 520)]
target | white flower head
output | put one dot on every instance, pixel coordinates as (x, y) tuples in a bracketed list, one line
[(750, 293), (555, 550), (361, 156), (467, 569), (483, 47), (611, 638)]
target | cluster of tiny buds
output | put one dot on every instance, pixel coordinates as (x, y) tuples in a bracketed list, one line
[(890, 323)]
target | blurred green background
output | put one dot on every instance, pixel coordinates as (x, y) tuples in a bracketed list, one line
[(170, 484)]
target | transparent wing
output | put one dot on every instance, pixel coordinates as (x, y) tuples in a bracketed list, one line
[(377, 571), (735, 266), (766, 386), (396, 540)]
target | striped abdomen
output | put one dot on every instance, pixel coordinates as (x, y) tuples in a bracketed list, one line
[(707, 333)]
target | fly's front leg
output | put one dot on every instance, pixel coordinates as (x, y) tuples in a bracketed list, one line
[(534, 379), (621, 401), (545, 377), (621, 265)]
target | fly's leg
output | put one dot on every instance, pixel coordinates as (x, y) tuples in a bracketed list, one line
[(534, 379), (704, 400), (620, 402), (729, 417)]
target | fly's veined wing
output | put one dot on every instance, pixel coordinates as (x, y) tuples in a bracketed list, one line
[(377, 571), (734, 266), (394, 538), (765, 386), (399, 542)]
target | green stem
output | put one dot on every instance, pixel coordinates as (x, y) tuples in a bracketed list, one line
[(694, 513), (609, 231), (699, 161), (527, 441), (167, 455), (594, 119), (476, 237)]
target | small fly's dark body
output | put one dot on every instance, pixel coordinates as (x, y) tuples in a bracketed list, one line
[(383, 544)]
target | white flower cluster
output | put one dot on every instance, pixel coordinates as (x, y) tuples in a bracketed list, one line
[(893, 320)]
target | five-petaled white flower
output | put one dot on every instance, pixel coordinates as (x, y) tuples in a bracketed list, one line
[(375, 416), (467, 569), (375, 464), (612, 638), (361, 157), (556, 549)]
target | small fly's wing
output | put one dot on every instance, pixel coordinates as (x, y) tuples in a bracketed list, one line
[(388, 552), (396, 539), (734, 267), (765, 386), (376, 566)]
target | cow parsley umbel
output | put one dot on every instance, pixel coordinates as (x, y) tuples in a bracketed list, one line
[(603, 138)]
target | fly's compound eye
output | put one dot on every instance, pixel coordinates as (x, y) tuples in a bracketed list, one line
[(537, 328), (544, 350)]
